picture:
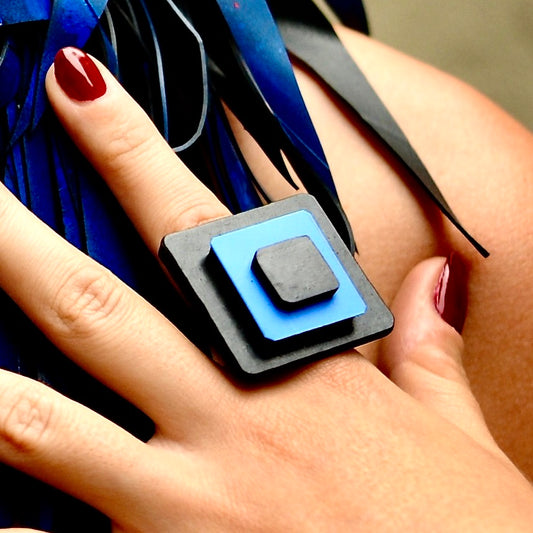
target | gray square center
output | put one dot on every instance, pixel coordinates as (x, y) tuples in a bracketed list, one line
[(294, 273)]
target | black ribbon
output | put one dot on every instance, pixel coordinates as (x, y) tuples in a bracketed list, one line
[(311, 38)]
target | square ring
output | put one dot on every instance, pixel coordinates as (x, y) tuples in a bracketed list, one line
[(275, 286)]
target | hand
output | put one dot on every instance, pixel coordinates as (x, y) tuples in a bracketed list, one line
[(338, 446)]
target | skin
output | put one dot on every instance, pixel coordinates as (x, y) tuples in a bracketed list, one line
[(340, 446), (482, 160)]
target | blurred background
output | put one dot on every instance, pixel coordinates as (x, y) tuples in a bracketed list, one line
[(488, 43)]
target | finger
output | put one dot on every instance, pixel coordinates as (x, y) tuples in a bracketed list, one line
[(423, 355), (156, 189), (19, 530), (68, 446), (101, 323)]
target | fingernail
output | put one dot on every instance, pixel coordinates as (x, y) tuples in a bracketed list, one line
[(78, 76), (451, 292)]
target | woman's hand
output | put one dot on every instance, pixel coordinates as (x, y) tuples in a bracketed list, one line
[(337, 446)]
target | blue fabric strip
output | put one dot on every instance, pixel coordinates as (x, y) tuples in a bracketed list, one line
[(71, 24), (260, 43), (68, 194), (17, 11), (10, 74), (40, 178), (234, 178)]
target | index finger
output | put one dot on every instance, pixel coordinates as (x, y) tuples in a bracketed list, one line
[(156, 189)]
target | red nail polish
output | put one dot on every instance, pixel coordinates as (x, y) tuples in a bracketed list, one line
[(78, 76), (451, 292)]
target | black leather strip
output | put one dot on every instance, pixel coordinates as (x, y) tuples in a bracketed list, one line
[(310, 37)]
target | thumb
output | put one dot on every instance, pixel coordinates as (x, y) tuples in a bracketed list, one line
[(423, 355)]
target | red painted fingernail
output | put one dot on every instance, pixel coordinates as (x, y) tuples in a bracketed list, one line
[(78, 76), (451, 292)]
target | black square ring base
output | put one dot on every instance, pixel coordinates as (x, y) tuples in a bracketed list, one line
[(274, 287)]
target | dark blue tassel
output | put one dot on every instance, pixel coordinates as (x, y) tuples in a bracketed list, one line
[(234, 179), (261, 90), (263, 50)]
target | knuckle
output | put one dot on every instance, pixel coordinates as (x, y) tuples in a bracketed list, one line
[(87, 297), (275, 433), (128, 142), (347, 373), (445, 363), (26, 422), (192, 210)]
